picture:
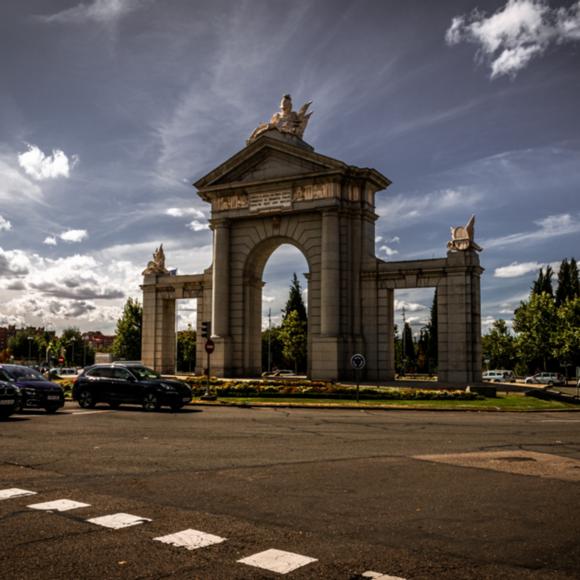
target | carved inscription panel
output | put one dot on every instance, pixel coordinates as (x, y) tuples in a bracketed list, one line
[(270, 200)]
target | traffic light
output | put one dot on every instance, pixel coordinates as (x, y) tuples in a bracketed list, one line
[(206, 329)]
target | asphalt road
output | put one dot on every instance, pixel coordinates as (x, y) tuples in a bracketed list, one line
[(398, 493)]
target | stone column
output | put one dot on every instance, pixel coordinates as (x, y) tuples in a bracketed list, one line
[(149, 324), (325, 359), (330, 275), (221, 279)]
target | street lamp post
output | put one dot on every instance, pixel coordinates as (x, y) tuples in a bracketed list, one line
[(72, 341), (30, 339)]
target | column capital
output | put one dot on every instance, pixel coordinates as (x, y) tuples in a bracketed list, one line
[(218, 223)]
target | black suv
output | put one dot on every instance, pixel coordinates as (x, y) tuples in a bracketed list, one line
[(128, 383), (35, 390)]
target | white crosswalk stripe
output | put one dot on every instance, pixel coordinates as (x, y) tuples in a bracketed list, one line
[(59, 505), (277, 561), (118, 521), (380, 576), (190, 539), (15, 492)]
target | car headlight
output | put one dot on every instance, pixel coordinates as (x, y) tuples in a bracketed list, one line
[(168, 388)]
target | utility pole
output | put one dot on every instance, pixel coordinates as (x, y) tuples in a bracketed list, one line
[(269, 340)]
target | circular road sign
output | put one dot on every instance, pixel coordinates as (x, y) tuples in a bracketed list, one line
[(358, 362), (209, 346)]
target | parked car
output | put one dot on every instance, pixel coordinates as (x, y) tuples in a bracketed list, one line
[(120, 383), (499, 376), (35, 390), (9, 399), (280, 373), (64, 373), (546, 379)]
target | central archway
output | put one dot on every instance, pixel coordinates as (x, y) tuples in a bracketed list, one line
[(253, 282)]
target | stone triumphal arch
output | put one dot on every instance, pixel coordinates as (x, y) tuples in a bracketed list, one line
[(278, 190)]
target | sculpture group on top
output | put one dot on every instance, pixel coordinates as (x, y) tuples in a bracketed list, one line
[(462, 237), (285, 120), (157, 265)]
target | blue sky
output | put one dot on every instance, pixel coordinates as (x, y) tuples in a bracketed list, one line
[(110, 109)]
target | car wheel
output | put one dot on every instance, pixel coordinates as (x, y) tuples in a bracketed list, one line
[(176, 407), (52, 409), (550, 383), (85, 399), (114, 405), (4, 414), (150, 402)]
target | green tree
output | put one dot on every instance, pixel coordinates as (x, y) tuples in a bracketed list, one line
[(543, 282), (127, 343), (71, 346), (295, 302), (566, 346), (293, 335), (535, 324), (186, 349), (499, 346), (563, 291), (574, 279), (276, 349), (24, 346), (408, 348)]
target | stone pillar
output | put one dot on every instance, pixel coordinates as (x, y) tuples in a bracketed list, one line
[(220, 302), (459, 320), (148, 328), (325, 348), (221, 280), (330, 275)]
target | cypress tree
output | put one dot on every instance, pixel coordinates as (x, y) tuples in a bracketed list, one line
[(574, 279), (564, 290)]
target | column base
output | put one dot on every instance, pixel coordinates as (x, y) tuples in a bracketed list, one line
[(325, 363)]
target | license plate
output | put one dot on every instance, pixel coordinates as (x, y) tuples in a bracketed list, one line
[(186, 399), (7, 402), (53, 398)]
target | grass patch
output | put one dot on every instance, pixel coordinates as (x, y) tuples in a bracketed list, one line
[(506, 403)]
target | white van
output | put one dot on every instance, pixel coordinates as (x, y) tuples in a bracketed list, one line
[(499, 376)]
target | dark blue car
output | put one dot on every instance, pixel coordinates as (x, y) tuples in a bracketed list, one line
[(35, 391), (9, 399)]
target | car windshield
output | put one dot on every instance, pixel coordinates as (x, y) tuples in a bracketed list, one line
[(24, 374), (144, 373)]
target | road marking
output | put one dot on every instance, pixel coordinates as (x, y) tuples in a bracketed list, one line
[(516, 462), (190, 539), (277, 561), (14, 492), (379, 576), (59, 505), (90, 412), (118, 521), (560, 421)]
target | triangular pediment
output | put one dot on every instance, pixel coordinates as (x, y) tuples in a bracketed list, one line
[(268, 159)]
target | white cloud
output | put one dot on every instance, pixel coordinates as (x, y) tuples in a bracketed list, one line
[(409, 306), (102, 11), (404, 208), (515, 269), (13, 263), (388, 250), (182, 212), (549, 227), (15, 188), (73, 236), (5, 225), (198, 226), (378, 239), (50, 241), (516, 33), (40, 166)]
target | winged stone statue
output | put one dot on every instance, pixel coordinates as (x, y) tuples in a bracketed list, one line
[(285, 120), (462, 237), (157, 264)]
